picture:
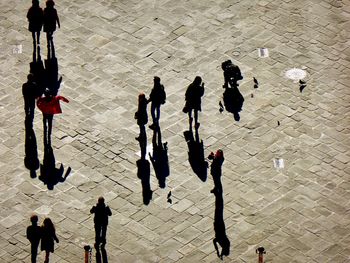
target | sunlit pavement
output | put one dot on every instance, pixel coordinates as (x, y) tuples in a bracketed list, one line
[(286, 187)]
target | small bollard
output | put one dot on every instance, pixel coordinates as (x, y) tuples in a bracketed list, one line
[(260, 251), (87, 249)]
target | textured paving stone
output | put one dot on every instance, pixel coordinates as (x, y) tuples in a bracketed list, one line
[(108, 52)]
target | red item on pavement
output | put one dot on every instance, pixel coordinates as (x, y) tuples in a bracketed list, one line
[(50, 105)]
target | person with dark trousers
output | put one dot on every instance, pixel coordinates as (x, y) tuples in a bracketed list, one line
[(193, 96), (34, 236), (141, 115), (102, 212), (232, 74), (157, 98), (30, 92), (50, 21), (35, 18), (49, 105), (48, 236)]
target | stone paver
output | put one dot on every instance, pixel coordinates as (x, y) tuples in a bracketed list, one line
[(108, 52)]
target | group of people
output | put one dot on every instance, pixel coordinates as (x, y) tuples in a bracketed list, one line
[(39, 18), (46, 233)]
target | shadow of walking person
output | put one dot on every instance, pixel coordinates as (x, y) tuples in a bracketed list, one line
[(101, 256), (233, 101), (219, 224), (31, 160), (196, 154), (143, 173), (159, 158), (49, 174)]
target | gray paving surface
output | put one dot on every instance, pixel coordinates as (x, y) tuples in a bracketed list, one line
[(108, 52)]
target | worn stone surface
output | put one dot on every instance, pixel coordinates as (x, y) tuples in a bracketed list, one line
[(108, 52)]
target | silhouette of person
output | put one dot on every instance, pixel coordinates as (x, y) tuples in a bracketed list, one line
[(31, 160), (34, 236), (232, 74), (30, 91), (48, 236), (35, 18), (102, 212), (50, 21), (157, 97), (233, 101), (49, 105), (193, 96), (219, 224)]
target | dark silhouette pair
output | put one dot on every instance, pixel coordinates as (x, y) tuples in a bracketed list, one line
[(46, 234)]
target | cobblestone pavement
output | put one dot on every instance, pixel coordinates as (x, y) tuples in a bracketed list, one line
[(108, 52)]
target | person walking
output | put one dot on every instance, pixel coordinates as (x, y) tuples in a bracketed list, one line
[(48, 236), (49, 105), (34, 236), (102, 212), (35, 18), (50, 21), (157, 98), (193, 96)]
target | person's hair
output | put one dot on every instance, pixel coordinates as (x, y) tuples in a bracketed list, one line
[(142, 96), (197, 80), (101, 200), (34, 218), (50, 3), (156, 79), (47, 224), (219, 154)]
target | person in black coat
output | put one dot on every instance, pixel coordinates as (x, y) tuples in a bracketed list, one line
[(35, 18), (34, 236), (102, 212), (232, 74), (50, 21), (157, 98), (193, 96), (48, 236)]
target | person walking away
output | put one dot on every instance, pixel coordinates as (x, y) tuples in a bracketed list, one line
[(35, 18), (193, 96), (157, 98), (49, 105), (102, 212), (48, 236), (34, 236), (50, 21)]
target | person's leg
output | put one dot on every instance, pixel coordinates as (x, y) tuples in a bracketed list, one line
[(97, 235), (49, 123), (158, 114), (103, 234), (38, 37), (190, 119), (47, 256), (196, 119), (34, 252), (153, 113), (45, 128), (34, 41)]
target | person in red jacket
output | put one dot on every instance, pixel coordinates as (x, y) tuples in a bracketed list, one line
[(49, 106)]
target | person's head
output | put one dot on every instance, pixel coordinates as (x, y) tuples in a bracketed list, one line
[(197, 80), (50, 3), (35, 2), (47, 223), (30, 77), (101, 200), (34, 219), (142, 97), (219, 154), (156, 80)]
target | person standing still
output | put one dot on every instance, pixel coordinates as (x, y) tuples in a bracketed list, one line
[(102, 212), (34, 236), (157, 98)]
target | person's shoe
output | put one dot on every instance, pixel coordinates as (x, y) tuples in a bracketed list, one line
[(197, 125), (137, 138), (152, 126)]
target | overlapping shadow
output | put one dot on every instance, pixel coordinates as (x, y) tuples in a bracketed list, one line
[(101, 256), (196, 154), (233, 101), (49, 174), (31, 160), (219, 224), (159, 157), (143, 167)]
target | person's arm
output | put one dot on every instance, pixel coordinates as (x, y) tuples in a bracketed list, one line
[(62, 98), (93, 209), (55, 237), (58, 20), (109, 212)]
